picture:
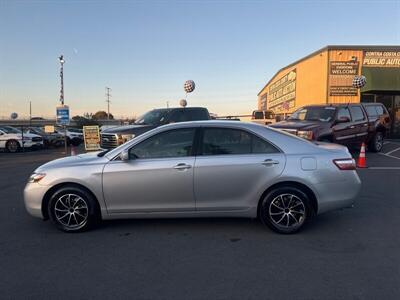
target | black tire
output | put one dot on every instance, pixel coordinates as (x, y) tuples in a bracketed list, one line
[(13, 146), (285, 209), (72, 209), (376, 143)]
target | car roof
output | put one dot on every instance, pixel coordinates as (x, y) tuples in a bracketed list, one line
[(216, 123)]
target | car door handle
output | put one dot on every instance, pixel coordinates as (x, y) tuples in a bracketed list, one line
[(352, 127), (182, 166), (269, 162)]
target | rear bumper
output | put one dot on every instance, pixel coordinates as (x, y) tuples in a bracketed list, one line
[(339, 194)]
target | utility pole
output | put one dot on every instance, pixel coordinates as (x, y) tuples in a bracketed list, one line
[(62, 61), (30, 113), (108, 102)]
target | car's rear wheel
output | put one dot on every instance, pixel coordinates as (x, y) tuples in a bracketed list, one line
[(12, 146), (376, 143), (285, 209), (72, 209)]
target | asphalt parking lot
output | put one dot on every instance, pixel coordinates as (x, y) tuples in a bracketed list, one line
[(347, 254)]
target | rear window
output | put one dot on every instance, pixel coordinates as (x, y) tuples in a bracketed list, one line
[(258, 115)]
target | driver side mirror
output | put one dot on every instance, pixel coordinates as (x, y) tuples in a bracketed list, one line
[(124, 155), (343, 119)]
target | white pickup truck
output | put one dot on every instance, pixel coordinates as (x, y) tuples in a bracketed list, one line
[(12, 141), (263, 117)]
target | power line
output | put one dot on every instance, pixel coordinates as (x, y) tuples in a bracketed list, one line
[(108, 101)]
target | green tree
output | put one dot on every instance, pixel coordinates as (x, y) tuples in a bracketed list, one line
[(102, 115)]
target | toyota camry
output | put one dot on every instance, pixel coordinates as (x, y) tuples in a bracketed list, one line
[(197, 169)]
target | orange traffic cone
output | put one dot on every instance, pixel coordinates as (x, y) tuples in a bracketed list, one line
[(73, 150), (362, 163)]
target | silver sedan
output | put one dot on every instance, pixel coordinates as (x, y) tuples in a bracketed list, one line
[(197, 169)]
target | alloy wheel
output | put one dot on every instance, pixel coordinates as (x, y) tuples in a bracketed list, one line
[(378, 142), (287, 210), (71, 211), (12, 146)]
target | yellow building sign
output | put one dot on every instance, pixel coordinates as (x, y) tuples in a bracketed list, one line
[(282, 93)]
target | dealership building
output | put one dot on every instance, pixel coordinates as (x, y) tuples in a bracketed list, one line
[(326, 76)]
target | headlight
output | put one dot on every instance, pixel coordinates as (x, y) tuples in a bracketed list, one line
[(123, 138), (305, 134), (127, 137), (36, 177)]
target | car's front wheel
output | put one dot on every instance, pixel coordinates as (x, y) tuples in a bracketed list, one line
[(12, 146), (285, 209), (72, 209)]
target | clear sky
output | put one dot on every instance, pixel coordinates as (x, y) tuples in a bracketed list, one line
[(146, 50)]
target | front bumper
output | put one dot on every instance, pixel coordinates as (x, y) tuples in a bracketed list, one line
[(33, 197), (30, 144)]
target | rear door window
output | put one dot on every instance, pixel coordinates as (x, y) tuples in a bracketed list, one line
[(380, 110), (371, 111), (343, 112), (224, 141), (357, 113)]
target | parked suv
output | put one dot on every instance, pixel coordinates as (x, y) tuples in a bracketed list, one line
[(347, 124), (113, 137)]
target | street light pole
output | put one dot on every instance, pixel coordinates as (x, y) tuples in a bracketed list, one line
[(108, 101), (30, 113), (62, 61)]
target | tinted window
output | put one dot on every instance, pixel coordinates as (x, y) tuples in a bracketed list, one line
[(179, 115), (261, 146), (173, 143), (379, 109), (219, 141), (153, 117), (197, 114), (343, 112), (371, 111), (356, 113), (258, 115), (316, 113)]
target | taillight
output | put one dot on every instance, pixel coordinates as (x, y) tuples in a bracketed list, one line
[(345, 163)]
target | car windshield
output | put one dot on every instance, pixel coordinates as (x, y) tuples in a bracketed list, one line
[(322, 114), (9, 129), (38, 130), (75, 130), (153, 117)]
